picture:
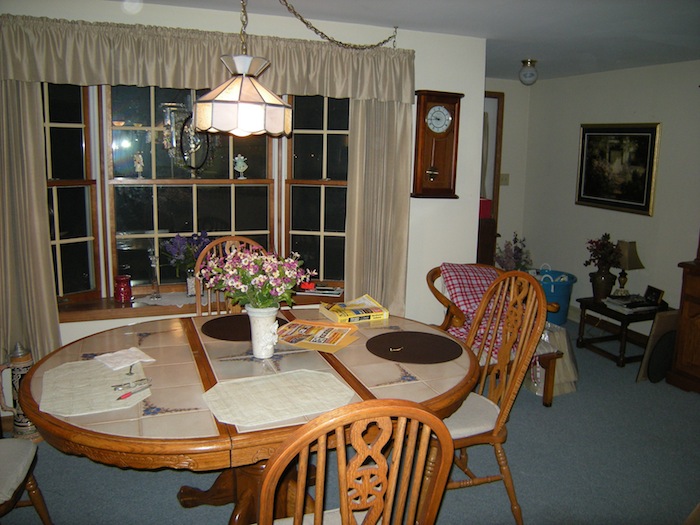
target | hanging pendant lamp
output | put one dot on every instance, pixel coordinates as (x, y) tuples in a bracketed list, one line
[(242, 106)]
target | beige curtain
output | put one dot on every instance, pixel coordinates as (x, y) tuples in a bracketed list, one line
[(28, 311), (84, 53), (379, 187)]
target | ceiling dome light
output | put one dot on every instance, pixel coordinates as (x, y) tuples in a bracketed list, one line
[(528, 73)]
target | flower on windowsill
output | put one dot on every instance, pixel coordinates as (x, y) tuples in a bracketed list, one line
[(603, 253), (182, 252), (252, 276), (514, 255)]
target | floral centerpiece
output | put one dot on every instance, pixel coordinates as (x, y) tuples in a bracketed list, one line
[(514, 255), (603, 253), (182, 252), (250, 276)]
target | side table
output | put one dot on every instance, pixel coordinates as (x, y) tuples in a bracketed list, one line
[(588, 303)]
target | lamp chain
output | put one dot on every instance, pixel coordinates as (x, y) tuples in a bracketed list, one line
[(244, 25), (332, 40)]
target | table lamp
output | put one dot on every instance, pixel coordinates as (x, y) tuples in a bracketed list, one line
[(628, 261)]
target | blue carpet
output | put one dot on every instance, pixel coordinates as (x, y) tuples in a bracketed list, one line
[(614, 452)]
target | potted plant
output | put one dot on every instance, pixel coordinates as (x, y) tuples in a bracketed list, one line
[(604, 254)]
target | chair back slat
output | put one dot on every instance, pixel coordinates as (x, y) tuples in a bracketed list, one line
[(512, 311), (384, 473), (216, 301)]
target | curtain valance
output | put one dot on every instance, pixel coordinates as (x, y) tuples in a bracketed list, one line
[(93, 53)]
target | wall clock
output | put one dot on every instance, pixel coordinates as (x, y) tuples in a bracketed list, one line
[(437, 126)]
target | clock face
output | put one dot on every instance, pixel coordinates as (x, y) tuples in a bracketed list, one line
[(438, 119)]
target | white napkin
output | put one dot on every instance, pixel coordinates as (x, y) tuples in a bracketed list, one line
[(123, 358)]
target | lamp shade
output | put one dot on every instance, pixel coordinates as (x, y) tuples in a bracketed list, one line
[(242, 106), (629, 260)]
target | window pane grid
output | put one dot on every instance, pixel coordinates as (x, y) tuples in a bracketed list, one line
[(318, 159), (71, 190), (180, 200)]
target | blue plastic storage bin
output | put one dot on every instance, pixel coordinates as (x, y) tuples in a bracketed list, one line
[(557, 287)]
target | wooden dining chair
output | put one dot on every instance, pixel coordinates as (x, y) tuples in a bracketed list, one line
[(393, 460), (214, 302), (17, 461), (509, 320), (466, 284)]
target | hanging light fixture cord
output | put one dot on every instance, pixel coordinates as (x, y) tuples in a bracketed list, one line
[(330, 39), (244, 25)]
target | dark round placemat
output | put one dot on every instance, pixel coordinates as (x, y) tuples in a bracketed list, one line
[(231, 327), (414, 347)]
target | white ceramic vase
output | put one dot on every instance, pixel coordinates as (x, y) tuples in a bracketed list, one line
[(263, 330)]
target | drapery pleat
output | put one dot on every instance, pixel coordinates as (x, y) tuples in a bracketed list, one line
[(379, 82), (94, 53), (28, 312), (379, 185)]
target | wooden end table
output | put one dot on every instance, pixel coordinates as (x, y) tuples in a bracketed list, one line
[(588, 303)]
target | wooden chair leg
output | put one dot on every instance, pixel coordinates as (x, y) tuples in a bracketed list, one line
[(548, 362), (508, 482), (37, 500)]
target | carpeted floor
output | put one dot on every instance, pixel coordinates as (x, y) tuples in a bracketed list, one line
[(614, 452)]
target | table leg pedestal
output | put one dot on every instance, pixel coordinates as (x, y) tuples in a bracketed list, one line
[(222, 492)]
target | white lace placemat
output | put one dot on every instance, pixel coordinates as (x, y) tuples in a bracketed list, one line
[(178, 299), (263, 400), (90, 387)]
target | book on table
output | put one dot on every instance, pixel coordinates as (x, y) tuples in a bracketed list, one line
[(363, 308), (630, 304)]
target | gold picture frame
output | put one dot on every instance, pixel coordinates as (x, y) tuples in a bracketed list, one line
[(617, 166)]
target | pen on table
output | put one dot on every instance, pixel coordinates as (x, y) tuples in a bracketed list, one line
[(135, 391)]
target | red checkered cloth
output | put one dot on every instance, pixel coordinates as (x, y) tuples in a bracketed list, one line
[(466, 284)]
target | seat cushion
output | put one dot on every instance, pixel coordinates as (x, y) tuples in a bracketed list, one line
[(476, 415), (16, 456)]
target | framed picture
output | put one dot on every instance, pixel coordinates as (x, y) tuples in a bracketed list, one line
[(617, 166)]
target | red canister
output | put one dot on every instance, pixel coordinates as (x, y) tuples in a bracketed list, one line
[(122, 288)]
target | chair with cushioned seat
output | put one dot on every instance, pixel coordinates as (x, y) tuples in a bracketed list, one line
[(504, 333), (466, 285), (215, 301), (393, 460), (17, 461)]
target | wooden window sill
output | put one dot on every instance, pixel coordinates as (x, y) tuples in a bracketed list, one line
[(104, 309)]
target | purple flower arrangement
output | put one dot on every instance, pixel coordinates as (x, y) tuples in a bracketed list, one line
[(514, 255), (182, 252)]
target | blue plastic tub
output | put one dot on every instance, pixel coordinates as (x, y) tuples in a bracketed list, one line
[(557, 287)]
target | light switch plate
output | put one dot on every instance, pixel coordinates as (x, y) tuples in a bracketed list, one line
[(505, 179)]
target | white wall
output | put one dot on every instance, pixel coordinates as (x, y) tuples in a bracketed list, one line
[(440, 229), (549, 115)]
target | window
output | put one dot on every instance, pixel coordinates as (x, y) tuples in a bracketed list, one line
[(162, 179), (71, 191), (168, 180), (317, 184)]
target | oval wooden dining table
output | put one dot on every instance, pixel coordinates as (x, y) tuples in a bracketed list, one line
[(174, 428)]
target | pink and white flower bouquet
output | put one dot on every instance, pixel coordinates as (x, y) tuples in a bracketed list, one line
[(252, 276)]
